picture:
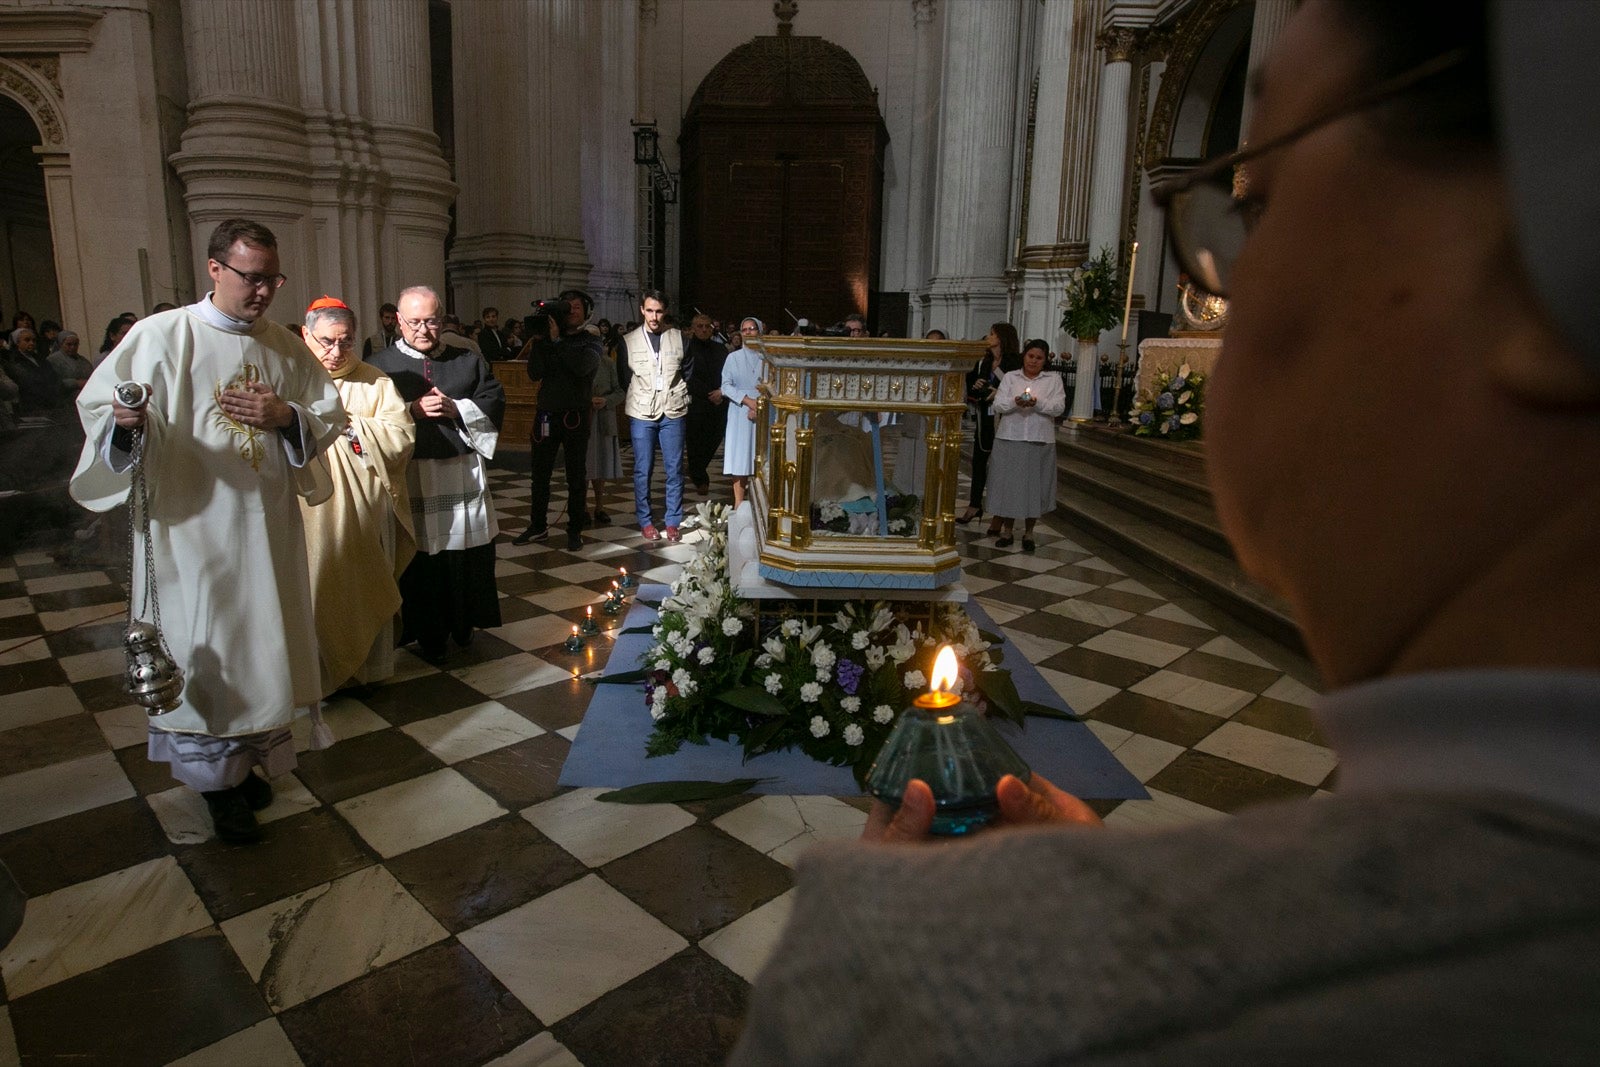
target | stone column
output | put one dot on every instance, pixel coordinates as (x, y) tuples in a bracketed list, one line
[(519, 216), (1108, 185), (346, 181), (1270, 18), (414, 214), (1109, 180), (973, 192), (244, 150), (611, 180), (1058, 197), (920, 221)]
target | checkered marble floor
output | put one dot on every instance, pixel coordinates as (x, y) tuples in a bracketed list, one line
[(426, 893)]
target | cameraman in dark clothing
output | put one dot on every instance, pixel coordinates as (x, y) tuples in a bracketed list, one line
[(703, 356), (564, 364)]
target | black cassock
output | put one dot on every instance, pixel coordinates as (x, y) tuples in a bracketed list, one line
[(452, 591)]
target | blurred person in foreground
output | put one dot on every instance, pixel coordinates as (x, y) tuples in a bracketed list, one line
[(359, 542), (1426, 501)]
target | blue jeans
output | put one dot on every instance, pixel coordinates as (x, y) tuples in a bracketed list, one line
[(646, 435)]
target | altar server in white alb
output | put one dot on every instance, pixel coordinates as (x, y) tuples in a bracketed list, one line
[(237, 414)]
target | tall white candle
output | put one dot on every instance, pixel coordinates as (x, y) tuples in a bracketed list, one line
[(1127, 306)]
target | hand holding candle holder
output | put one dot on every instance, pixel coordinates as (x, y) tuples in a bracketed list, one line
[(952, 747), (1026, 398), (573, 643), (589, 627)]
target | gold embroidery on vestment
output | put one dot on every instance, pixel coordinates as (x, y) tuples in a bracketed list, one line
[(250, 447)]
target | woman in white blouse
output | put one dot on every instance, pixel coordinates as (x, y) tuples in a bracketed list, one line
[(1022, 479)]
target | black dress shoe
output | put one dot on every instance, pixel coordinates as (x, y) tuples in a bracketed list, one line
[(574, 542), (1028, 544), (463, 636), (602, 519), (231, 815), (432, 653), (532, 533), (1004, 542), (256, 790)]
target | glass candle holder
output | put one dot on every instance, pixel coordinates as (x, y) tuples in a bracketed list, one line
[(573, 643), (628, 581), (614, 605), (955, 749), (589, 627)]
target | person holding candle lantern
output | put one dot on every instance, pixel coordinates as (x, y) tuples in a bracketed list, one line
[(1435, 539), (1025, 405)]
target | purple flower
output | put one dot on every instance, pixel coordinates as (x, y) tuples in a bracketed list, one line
[(1165, 401), (849, 675)]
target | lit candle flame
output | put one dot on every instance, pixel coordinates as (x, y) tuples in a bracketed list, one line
[(939, 693), (589, 611), (944, 671), (574, 630)]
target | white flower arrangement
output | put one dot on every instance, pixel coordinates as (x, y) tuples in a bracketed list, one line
[(720, 667)]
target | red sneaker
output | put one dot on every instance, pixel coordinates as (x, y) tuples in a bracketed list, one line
[(673, 534), (650, 533)]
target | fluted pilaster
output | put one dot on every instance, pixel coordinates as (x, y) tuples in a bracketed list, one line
[(397, 93), (519, 214), (1058, 201), (1108, 181), (973, 196), (610, 178), (245, 150), (920, 222)]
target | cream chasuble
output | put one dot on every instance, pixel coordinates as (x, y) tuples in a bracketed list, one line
[(361, 539), (225, 526)]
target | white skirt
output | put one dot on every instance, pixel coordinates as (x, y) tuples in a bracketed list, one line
[(1022, 479)]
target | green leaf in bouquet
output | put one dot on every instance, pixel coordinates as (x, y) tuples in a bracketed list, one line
[(754, 699), (992, 638), (759, 740), (1045, 711), (622, 678), (678, 792), (1001, 692)]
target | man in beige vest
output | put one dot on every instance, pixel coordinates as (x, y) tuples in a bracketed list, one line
[(657, 406)]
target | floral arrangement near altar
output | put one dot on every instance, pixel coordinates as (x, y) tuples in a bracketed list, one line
[(757, 673), (1172, 408), (903, 513), (1093, 300)]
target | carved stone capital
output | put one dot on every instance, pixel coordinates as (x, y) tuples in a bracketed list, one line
[(1119, 43), (922, 11)]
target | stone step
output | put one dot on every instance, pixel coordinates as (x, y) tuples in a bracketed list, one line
[(1151, 466), (1210, 573), (1187, 457), (1146, 495)]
